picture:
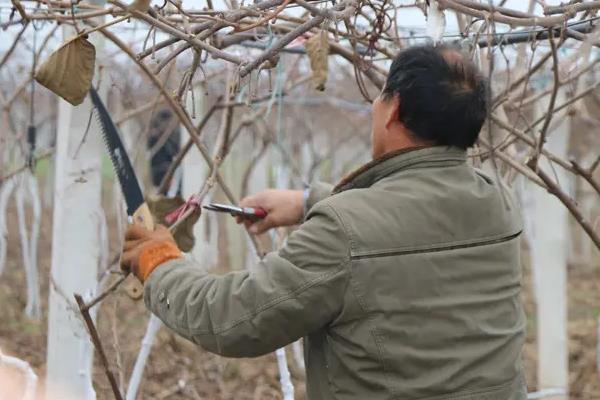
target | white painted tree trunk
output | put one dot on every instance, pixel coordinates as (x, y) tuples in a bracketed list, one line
[(75, 251), (282, 180), (588, 202), (192, 172), (285, 380), (257, 181), (298, 352), (306, 160), (233, 168), (549, 238)]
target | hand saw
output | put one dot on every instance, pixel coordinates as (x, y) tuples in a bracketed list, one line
[(137, 209)]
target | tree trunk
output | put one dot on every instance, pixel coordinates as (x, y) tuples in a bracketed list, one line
[(549, 239), (75, 251)]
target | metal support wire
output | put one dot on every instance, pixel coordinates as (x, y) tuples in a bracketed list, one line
[(536, 34), (507, 38)]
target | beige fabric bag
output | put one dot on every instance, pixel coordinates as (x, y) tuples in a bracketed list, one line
[(140, 5), (68, 71), (317, 48)]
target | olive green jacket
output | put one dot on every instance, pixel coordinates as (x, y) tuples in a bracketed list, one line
[(405, 284)]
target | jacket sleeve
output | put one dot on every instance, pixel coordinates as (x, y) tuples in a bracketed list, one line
[(284, 297), (316, 192)]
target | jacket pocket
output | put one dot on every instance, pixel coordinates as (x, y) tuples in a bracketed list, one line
[(437, 247)]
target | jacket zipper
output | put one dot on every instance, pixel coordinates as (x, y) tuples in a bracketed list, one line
[(438, 249)]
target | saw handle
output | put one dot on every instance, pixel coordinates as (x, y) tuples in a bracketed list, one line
[(141, 217)]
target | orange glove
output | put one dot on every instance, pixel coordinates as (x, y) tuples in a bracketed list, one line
[(145, 250)]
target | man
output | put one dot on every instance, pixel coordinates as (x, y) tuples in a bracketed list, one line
[(404, 279)]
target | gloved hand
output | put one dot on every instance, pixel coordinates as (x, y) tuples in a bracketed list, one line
[(145, 250)]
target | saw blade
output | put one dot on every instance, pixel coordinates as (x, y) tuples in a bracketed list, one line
[(118, 156)]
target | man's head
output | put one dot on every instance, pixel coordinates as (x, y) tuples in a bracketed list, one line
[(433, 96)]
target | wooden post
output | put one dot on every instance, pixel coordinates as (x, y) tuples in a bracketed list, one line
[(549, 238), (75, 251)]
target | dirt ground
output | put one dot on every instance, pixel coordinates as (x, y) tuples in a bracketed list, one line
[(178, 370)]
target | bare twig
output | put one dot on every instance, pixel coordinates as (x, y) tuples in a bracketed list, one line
[(554, 189), (45, 154), (84, 310), (587, 175), (113, 287), (549, 113)]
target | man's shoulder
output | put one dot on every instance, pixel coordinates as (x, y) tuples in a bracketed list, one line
[(346, 199), (349, 208), (426, 206)]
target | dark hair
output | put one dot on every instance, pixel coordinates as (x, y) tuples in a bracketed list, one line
[(443, 96)]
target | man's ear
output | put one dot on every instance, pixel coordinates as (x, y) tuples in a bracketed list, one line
[(392, 111)]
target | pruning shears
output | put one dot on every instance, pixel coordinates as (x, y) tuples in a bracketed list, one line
[(252, 213)]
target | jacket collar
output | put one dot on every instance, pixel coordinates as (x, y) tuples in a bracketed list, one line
[(375, 170)]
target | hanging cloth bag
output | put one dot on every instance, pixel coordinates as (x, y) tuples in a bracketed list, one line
[(68, 71)]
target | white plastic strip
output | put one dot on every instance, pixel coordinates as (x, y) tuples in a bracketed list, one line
[(5, 191), (36, 208), (28, 190), (138, 370), (546, 393), (598, 347), (22, 366)]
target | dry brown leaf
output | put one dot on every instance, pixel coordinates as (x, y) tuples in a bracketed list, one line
[(317, 48), (68, 71), (140, 5), (160, 206)]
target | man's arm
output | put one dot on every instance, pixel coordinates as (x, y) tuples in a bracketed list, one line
[(287, 295), (284, 207)]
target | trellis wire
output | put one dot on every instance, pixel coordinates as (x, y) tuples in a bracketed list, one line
[(29, 240), (5, 191)]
